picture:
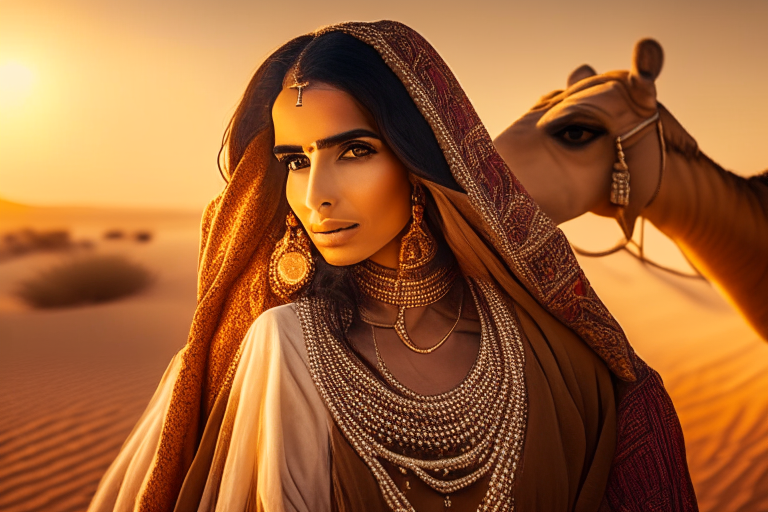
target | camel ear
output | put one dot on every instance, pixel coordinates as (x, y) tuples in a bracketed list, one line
[(580, 73), (647, 60)]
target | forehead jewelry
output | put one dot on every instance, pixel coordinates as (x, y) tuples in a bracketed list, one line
[(296, 83)]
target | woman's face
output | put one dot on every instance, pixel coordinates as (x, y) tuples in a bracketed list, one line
[(348, 189)]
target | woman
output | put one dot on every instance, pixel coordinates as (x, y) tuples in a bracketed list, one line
[(387, 321)]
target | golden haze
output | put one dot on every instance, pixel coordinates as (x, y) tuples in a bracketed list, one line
[(125, 103)]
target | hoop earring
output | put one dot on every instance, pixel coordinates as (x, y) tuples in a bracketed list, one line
[(291, 265), (418, 246)]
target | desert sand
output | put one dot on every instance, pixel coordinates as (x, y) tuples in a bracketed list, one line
[(75, 380)]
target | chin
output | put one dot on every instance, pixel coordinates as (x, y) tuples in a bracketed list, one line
[(341, 257)]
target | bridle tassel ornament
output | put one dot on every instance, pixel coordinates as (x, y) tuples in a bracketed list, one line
[(620, 175)]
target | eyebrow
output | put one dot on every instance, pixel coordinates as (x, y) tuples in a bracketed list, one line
[(333, 140)]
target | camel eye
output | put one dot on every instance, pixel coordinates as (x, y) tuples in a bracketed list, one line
[(577, 135)]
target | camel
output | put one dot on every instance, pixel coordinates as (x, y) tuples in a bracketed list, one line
[(565, 153)]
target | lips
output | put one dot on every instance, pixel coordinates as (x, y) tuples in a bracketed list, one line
[(329, 231), (331, 225), (333, 233)]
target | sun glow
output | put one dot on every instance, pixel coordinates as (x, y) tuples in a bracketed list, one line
[(16, 83)]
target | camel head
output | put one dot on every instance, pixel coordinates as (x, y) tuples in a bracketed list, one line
[(564, 149)]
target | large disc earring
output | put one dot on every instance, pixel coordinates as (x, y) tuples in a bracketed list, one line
[(418, 246), (620, 178), (291, 266)]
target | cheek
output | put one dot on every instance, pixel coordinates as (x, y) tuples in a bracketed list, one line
[(384, 198), (295, 193)]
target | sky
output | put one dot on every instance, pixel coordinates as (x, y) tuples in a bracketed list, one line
[(123, 103)]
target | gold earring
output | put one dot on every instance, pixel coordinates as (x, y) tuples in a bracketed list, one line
[(418, 246), (620, 178), (291, 266)]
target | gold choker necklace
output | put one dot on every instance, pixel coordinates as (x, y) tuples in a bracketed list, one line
[(409, 288)]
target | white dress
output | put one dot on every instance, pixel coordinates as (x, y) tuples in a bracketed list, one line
[(278, 424)]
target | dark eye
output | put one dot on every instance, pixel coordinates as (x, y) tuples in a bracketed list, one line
[(576, 135), (294, 162), (357, 150)]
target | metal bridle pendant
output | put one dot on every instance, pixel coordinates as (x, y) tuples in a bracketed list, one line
[(620, 178), (620, 174)]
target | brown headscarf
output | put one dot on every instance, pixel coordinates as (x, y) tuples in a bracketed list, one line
[(241, 226)]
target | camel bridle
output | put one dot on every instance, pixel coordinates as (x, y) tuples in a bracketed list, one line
[(620, 166), (620, 187)]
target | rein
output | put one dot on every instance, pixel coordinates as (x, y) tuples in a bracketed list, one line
[(624, 245)]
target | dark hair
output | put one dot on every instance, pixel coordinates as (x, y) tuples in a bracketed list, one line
[(344, 62)]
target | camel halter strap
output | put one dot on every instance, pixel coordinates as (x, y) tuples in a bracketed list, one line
[(624, 245), (637, 128)]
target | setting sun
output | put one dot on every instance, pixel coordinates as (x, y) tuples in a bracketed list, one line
[(16, 82)]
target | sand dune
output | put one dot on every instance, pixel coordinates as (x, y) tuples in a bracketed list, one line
[(715, 368), (76, 380), (53, 455)]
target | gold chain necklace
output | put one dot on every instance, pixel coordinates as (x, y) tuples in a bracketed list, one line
[(402, 333), (408, 288), (450, 440), (399, 327)]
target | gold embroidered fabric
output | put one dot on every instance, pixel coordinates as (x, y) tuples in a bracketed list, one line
[(239, 230)]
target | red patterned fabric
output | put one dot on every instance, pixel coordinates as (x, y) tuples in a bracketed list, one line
[(649, 470)]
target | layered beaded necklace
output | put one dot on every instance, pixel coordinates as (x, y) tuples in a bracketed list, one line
[(450, 440)]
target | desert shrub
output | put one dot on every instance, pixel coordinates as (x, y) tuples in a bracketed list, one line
[(52, 240), (28, 240), (142, 236), (114, 234), (84, 280)]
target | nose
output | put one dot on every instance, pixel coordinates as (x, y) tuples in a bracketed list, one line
[(321, 188)]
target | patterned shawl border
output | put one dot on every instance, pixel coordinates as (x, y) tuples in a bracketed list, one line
[(534, 248), (649, 469)]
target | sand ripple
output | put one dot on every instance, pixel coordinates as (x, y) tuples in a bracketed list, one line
[(715, 368), (57, 438)]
